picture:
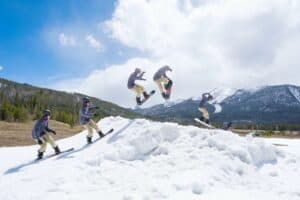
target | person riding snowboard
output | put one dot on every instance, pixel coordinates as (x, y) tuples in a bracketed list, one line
[(163, 82), (86, 113), (227, 125), (205, 98), (40, 133), (138, 89)]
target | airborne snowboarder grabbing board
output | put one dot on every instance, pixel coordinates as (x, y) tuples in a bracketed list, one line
[(138, 89), (163, 82), (40, 133), (206, 97)]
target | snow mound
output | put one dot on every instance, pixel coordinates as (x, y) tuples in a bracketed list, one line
[(142, 159), (250, 150)]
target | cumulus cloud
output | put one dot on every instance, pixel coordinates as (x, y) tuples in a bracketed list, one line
[(94, 43), (110, 83), (65, 40), (209, 43)]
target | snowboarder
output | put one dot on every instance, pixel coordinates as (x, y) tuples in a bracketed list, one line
[(227, 125), (138, 89), (85, 118), (205, 98), (40, 133), (163, 82)]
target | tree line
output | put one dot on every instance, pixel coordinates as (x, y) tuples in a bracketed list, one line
[(22, 109)]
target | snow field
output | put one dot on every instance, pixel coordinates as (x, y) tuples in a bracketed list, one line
[(152, 160)]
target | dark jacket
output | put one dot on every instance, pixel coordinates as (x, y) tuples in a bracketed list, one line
[(133, 77), (205, 98), (85, 114), (161, 72), (40, 128)]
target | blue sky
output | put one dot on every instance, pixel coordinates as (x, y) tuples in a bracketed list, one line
[(91, 46), (29, 39)]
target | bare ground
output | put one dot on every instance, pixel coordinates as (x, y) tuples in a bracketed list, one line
[(19, 134)]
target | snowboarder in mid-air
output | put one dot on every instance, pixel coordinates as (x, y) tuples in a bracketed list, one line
[(163, 82), (85, 118), (40, 133), (206, 97), (138, 89)]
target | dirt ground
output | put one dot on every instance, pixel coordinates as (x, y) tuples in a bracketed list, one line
[(19, 134)]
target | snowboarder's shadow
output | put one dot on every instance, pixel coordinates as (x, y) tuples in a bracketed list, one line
[(112, 139), (116, 135), (17, 168)]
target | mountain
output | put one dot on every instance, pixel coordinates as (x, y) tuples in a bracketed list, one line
[(266, 105), (142, 159), (17, 99)]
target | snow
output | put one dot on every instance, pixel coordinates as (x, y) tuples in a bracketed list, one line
[(295, 92), (151, 160), (219, 94)]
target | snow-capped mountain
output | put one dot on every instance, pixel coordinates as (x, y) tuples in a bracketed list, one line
[(279, 104), (286, 95), (152, 160)]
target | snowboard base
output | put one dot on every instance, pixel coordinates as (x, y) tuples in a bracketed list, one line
[(204, 124)]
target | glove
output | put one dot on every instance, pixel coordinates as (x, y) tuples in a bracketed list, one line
[(54, 132), (39, 141)]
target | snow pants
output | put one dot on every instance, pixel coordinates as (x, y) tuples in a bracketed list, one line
[(47, 139), (138, 89), (204, 112), (90, 126), (161, 82)]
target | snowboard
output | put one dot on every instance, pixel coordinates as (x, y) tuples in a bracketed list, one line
[(105, 134), (204, 124), (168, 88), (145, 99), (53, 155)]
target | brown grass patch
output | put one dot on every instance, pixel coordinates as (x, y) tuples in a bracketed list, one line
[(19, 134)]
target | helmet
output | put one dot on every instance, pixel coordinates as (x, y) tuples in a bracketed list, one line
[(137, 70), (167, 67), (46, 112), (86, 100)]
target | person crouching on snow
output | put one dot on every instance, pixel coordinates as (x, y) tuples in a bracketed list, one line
[(85, 118), (40, 133)]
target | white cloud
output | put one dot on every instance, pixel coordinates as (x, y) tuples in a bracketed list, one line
[(65, 40), (111, 83), (1, 68), (209, 43), (94, 43)]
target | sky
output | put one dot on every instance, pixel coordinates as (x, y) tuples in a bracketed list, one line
[(92, 46)]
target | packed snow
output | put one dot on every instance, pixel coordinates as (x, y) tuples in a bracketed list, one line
[(151, 160)]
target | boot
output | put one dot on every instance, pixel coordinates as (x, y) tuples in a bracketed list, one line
[(40, 155), (89, 140), (168, 85), (202, 118), (163, 95), (138, 101), (101, 135), (146, 96), (207, 121), (57, 150)]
